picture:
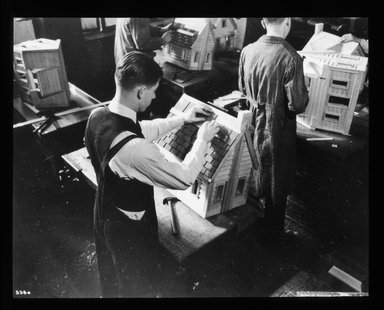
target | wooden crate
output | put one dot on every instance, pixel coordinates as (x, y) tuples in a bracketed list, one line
[(335, 83), (40, 73)]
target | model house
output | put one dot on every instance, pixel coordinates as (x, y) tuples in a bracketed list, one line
[(229, 33), (223, 182), (322, 41), (225, 30), (335, 83), (40, 73), (192, 46)]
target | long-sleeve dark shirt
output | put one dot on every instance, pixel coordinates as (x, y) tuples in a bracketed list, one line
[(271, 75)]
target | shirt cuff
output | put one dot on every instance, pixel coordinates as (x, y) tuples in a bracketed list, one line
[(197, 152), (176, 121)]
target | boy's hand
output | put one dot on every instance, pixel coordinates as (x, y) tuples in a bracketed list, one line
[(197, 114), (208, 130)]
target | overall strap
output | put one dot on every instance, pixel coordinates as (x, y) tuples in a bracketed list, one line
[(112, 152)]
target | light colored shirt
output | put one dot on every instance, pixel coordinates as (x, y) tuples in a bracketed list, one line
[(135, 34), (142, 160)]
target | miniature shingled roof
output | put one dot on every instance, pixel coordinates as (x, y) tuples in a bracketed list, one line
[(187, 35), (180, 141)]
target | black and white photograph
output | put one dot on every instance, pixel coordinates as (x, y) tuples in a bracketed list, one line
[(190, 157)]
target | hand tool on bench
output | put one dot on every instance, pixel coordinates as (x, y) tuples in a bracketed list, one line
[(170, 201)]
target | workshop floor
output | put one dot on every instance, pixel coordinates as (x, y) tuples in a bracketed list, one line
[(54, 251)]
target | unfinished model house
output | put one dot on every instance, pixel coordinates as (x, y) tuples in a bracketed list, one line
[(335, 83), (322, 41), (225, 30), (229, 33), (223, 182), (40, 73), (192, 46)]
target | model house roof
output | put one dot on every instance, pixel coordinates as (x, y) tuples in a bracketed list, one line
[(180, 141), (325, 41), (195, 24), (191, 28), (230, 24), (314, 62)]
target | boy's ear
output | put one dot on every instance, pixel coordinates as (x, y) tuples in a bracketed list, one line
[(263, 24), (140, 92)]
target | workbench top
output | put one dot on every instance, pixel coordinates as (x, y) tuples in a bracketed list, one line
[(194, 231), (79, 100)]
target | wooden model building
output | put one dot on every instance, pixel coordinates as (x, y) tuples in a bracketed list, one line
[(40, 73), (223, 182), (192, 46), (225, 30), (335, 83), (229, 33), (322, 41)]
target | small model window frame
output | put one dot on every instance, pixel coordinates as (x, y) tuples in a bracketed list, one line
[(241, 181), (221, 186)]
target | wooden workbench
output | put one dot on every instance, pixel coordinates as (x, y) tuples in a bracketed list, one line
[(331, 179), (339, 147), (78, 100), (61, 136), (194, 231)]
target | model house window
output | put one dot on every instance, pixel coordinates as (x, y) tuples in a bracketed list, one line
[(331, 117), (196, 188), (339, 84), (196, 58), (207, 58), (183, 54), (219, 193), (223, 23), (240, 187), (338, 100)]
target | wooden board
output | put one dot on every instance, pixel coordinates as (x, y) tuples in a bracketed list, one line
[(80, 162), (194, 232)]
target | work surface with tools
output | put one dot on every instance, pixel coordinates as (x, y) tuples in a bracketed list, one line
[(48, 121), (193, 231)]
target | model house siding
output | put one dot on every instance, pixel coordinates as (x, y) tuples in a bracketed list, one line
[(214, 189)]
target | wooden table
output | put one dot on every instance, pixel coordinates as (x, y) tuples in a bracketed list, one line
[(79, 101), (338, 147), (61, 136), (194, 231)]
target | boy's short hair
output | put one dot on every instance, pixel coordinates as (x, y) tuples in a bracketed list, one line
[(274, 20), (136, 68)]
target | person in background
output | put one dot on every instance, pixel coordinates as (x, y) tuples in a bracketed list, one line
[(137, 34), (362, 42), (128, 165), (271, 76)]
